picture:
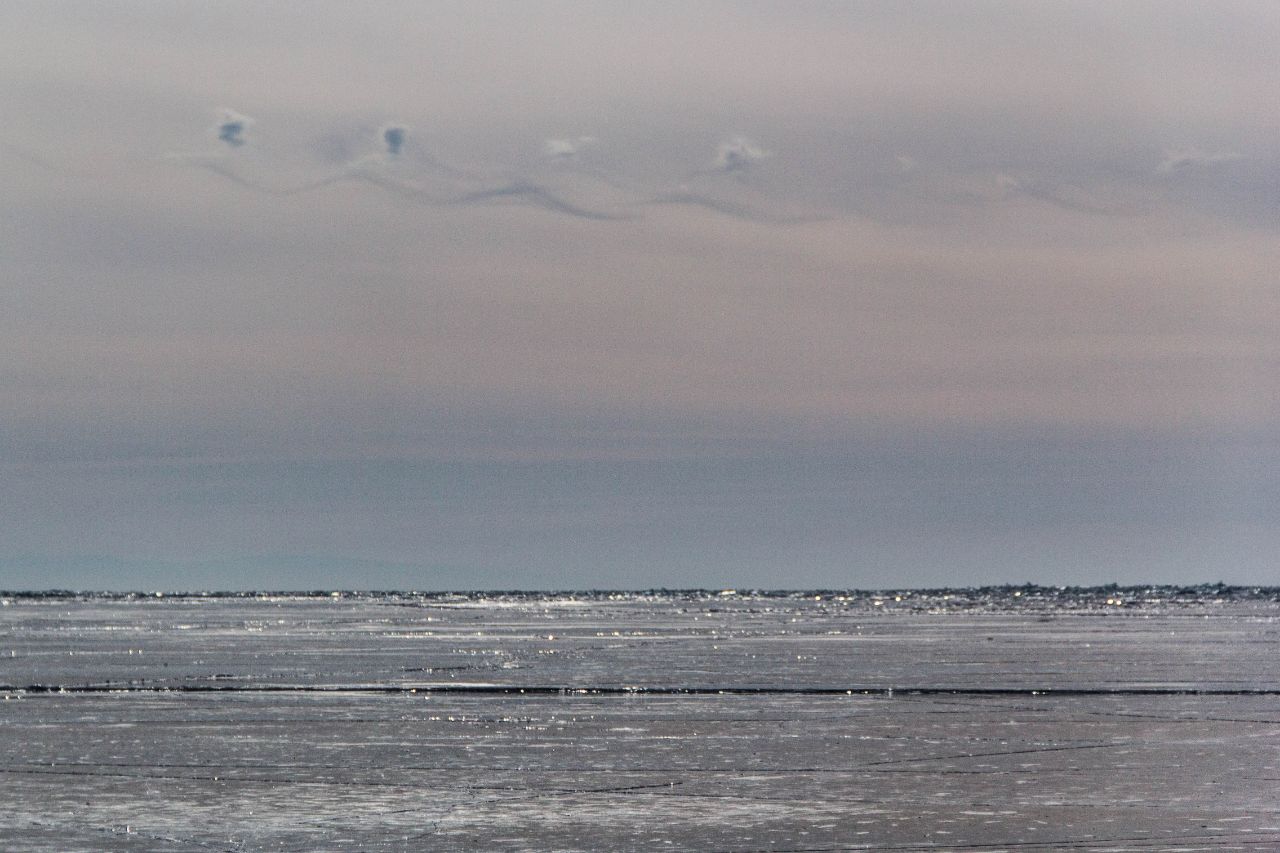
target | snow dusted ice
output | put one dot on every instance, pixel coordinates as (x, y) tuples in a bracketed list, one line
[(978, 720)]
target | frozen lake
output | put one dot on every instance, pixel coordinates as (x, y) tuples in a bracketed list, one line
[(1011, 719)]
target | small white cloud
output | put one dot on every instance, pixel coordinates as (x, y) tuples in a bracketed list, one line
[(563, 149), (738, 153)]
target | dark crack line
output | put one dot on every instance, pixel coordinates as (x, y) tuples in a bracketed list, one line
[(1030, 751), (38, 768)]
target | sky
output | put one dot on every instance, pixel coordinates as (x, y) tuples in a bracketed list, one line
[(569, 295)]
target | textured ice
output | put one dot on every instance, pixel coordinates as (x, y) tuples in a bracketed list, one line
[(1000, 719)]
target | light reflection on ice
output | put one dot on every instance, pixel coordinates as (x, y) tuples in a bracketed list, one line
[(564, 768)]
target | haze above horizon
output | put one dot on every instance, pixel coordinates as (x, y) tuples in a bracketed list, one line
[(637, 295)]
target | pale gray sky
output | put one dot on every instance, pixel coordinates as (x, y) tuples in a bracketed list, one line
[(740, 293)]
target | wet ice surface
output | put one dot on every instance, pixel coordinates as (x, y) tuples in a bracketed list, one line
[(1133, 720)]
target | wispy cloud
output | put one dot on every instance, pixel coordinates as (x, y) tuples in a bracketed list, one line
[(1105, 201), (267, 176), (1184, 159), (760, 215), (28, 156), (385, 170), (537, 196), (452, 187)]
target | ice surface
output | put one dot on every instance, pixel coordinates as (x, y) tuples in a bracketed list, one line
[(1027, 719)]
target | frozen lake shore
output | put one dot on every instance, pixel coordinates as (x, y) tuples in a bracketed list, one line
[(1010, 719)]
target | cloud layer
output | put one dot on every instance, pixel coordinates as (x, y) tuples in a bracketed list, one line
[(851, 289)]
